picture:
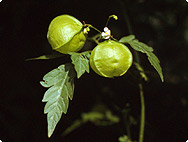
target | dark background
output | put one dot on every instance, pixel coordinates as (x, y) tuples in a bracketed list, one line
[(163, 24)]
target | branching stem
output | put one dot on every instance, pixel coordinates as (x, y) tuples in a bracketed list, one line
[(95, 38)]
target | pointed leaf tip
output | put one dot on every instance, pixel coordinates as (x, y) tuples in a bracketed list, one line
[(61, 83), (45, 57), (144, 48)]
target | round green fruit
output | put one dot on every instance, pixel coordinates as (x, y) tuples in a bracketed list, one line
[(65, 34), (111, 59)]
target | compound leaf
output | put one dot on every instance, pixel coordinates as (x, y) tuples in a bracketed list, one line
[(127, 39), (86, 54), (81, 62), (61, 83), (140, 46), (155, 63), (144, 48)]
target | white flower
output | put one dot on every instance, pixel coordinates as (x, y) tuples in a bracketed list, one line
[(86, 30), (106, 34)]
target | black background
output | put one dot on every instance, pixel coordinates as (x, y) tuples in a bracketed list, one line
[(163, 24)]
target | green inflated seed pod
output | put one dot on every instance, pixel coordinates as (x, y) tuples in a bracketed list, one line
[(65, 33), (111, 59)]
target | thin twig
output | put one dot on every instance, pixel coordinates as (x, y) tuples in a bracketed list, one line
[(127, 21), (137, 59), (142, 116)]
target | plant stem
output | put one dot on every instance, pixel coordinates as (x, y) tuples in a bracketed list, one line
[(95, 38), (111, 16), (137, 59), (128, 131), (142, 116), (127, 21), (127, 123), (93, 28)]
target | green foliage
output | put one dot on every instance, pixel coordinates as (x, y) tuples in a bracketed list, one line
[(124, 138), (126, 39), (60, 81), (99, 118), (81, 62), (61, 89), (45, 57), (142, 47)]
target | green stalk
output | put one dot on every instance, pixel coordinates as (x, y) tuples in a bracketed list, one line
[(111, 16), (137, 59), (93, 28), (142, 116), (129, 27)]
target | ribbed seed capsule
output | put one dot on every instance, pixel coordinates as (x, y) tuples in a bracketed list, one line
[(111, 59), (65, 33)]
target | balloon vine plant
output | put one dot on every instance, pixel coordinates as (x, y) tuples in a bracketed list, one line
[(110, 58)]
